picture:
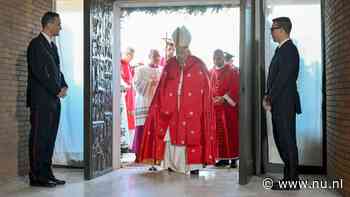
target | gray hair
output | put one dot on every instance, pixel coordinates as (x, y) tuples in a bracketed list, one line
[(48, 17), (129, 50)]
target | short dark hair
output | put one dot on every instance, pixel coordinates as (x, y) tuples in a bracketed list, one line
[(219, 52), (48, 17), (284, 23)]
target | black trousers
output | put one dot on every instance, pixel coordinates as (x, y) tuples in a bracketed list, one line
[(284, 133), (43, 133)]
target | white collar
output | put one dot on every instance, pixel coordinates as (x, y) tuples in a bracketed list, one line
[(284, 41), (47, 37)]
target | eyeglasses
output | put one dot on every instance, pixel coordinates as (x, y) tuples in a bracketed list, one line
[(273, 28)]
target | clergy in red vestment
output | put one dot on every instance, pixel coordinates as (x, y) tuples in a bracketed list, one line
[(228, 58), (179, 132), (225, 87), (127, 74)]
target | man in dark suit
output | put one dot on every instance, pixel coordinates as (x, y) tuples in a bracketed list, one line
[(46, 85), (282, 97)]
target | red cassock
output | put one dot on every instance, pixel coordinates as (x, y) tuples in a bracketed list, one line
[(225, 81), (188, 115), (127, 75)]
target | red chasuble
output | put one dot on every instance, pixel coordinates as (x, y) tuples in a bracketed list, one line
[(225, 81), (186, 111), (127, 75)]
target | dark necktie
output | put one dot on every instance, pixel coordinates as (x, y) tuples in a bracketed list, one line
[(53, 46), (276, 50), (55, 51)]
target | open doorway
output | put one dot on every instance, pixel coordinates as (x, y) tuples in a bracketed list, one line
[(69, 146), (210, 29), (310, 124), (102, 55)]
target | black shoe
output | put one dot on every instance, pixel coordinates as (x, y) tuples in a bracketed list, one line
[(233, 163), (57, 181), (194, 172), (170, 170), (222, 163), (46, 183), (152, 169)]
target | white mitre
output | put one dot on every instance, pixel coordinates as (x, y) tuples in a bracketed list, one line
[(181, 37)]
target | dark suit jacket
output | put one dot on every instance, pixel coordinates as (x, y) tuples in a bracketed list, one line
[(282, 79), (45, 79)]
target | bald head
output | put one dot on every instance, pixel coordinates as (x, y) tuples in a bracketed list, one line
[(129, 54), (154, 56), (219, 58)]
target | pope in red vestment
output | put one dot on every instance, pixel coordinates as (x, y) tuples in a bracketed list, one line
[(180, 126), (127, 74), (225, 87)]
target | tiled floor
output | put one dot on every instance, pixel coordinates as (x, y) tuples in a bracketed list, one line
[(136, 181)]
